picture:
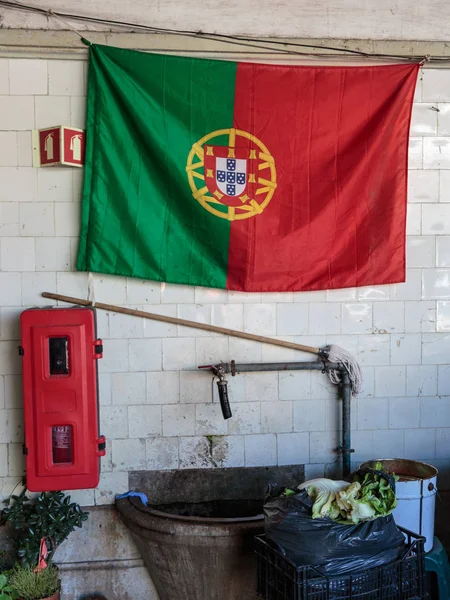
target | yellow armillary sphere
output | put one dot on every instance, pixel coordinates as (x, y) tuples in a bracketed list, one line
[(234, 181)]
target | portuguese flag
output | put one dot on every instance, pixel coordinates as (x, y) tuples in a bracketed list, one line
[(245, 176)]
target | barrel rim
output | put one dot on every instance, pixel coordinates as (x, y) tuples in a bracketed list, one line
[(137, 504), (433, 470)]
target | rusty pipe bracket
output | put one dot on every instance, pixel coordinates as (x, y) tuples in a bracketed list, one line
[(341, 450)]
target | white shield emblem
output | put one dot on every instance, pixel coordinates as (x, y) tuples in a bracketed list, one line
[(231, 175)]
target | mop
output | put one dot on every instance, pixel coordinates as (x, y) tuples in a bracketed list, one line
[(332, 354)]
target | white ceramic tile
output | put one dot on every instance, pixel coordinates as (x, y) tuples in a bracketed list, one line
[(420, 251), (2, 391), (424, 120), (389, 317), (16, 460), (51, 111), (8, 149), (314, 471), (421, 380), (420, 316), (277, 297), (260, 319), (4, 459), (436, 153), (357, 317), (292, 319), (444, 186), (128, 455), (442, 442), (125, 326), (293, 448), (321, 386), (105, 388), (16, 113), (114, 422), (271, 353), (362, 443), (390, 443), (72, 284), (128, 388), (404, 413), (195, 453), (260, 450), (200, 313), (310, 415), (443, 119), (33, 284), (4, 76), (10, 323), (78, 111), (261, 387), (10, 289), (414, 219), (209, 420), (9, 219), (374, 350), (244, 297), (368, 385), (66, 78), (276, 417), (162, 453), (434, 412), (145, 354), (322, 446), (373, 293), (110, 485), (13, 391), (144, 421), (244, 350), (294, 385), (313, 297), (411, 289), (229, 451), (163, 387), (325, 318), (373, 413), (37, 219), (52, 254), (17, 254), (178, 419), (24, 149), (207, 295), (228, 315), (196, 386), (442, 315), (67, 219), (176, 294), (18, 184), (435, 219), (406, 349), (211, 350), (443, 251), (436, 85), (139, 291), (77, 184), (246, 418), (444, 380), (154, 328), (115, 357), (28, 77), (423, 186), (415, 160), (419, 86), (390, 381), (420, 444), (342, 295), (436, 284), (435, 348)]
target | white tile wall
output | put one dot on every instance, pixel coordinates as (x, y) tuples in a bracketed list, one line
[(157, 410)]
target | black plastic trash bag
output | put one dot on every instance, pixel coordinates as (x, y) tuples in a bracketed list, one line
[(331, 548)]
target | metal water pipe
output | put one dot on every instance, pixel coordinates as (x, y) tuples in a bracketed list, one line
[(345, 392)]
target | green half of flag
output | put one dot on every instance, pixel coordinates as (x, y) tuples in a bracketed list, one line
[(243, 176)]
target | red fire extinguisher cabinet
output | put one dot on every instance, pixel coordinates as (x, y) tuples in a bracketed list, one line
[(59, 352)]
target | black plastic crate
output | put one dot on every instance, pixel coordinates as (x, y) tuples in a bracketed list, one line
[(280, 579)]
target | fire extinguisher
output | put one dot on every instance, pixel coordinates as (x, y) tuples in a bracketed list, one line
[(62, 444)]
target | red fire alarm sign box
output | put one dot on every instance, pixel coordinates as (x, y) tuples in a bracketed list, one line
[(58, 145), (59, 359)]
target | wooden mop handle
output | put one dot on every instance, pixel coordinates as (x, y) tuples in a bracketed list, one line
[(184, 322)]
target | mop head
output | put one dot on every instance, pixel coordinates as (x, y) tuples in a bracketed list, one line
[(336, 354)]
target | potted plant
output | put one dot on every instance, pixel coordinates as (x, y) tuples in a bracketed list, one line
[(51, 516), (34, 584)]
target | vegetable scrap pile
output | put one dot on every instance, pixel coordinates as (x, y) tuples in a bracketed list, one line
[(369, 496)]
